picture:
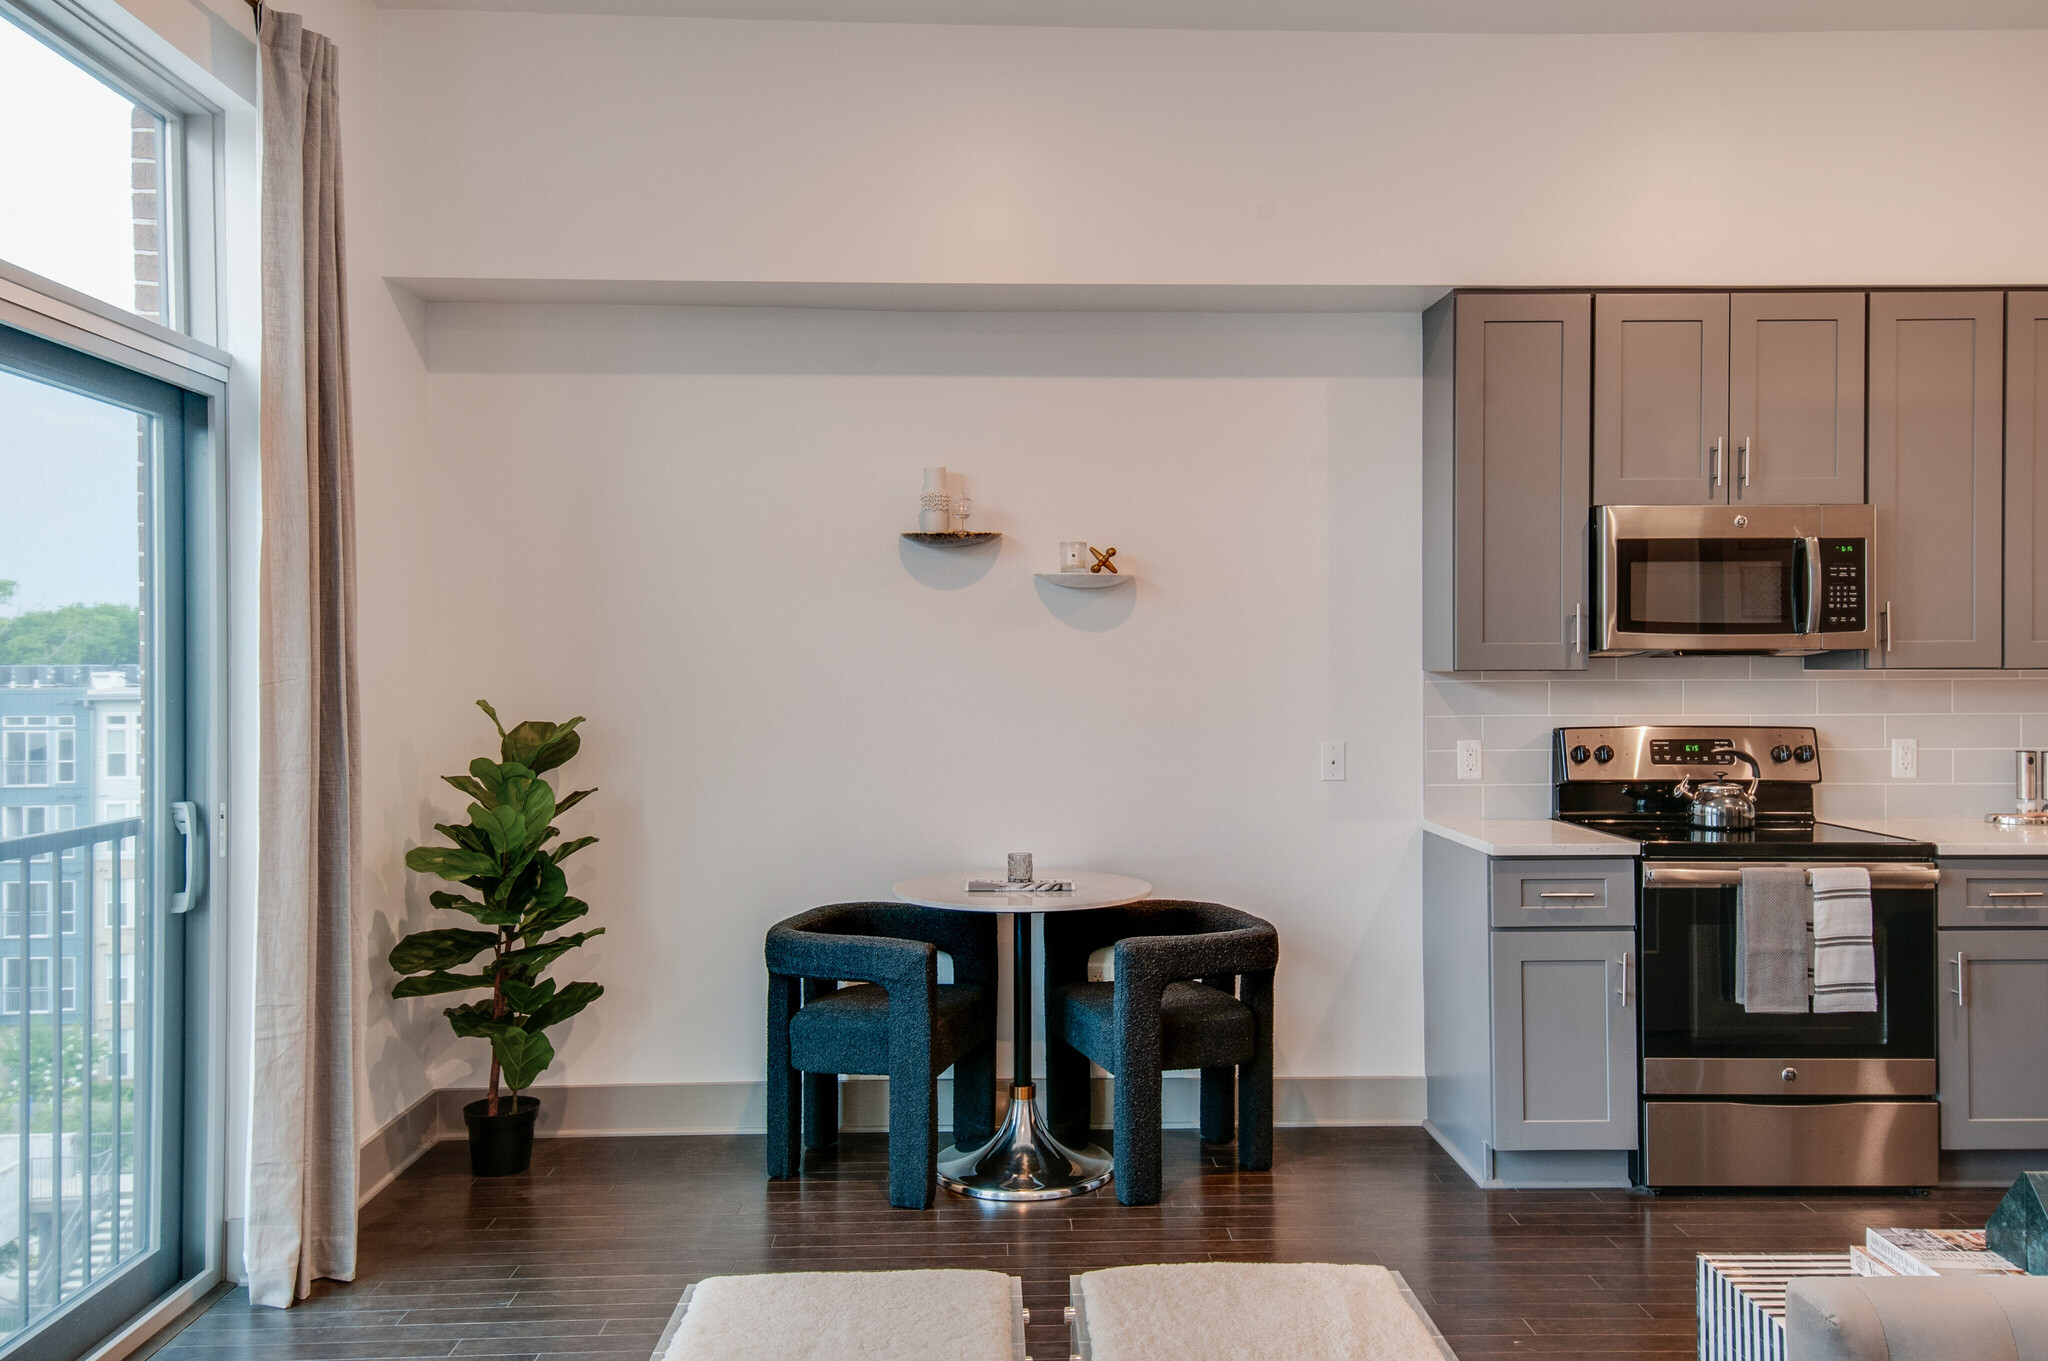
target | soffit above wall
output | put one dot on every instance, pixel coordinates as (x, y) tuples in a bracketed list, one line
[(1339, 16)]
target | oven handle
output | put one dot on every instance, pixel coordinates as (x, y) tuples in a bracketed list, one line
[(1720, 876)]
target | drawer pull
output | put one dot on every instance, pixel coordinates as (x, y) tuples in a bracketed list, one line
[(1567, 895), (2019, 893)]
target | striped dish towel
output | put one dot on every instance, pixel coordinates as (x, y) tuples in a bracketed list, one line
[(1844, 959)]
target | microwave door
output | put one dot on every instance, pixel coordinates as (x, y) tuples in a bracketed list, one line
[(1700, 594)]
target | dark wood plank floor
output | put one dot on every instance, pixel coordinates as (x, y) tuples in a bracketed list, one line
[(587, 1255)]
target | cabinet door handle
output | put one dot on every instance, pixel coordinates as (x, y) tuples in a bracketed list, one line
[(1714, 463), (1622, 991), (1578, 615), (1886, 618), (1745, 460), (1960, 1002), (2019, 893), (1568, 895)]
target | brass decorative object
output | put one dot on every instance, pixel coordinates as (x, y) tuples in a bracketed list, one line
[(1102, 560)]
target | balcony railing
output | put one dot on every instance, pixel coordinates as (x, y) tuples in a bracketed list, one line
[(73, 1088)]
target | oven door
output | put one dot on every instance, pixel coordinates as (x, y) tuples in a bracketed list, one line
[(1698, 1041), (1707, 579)]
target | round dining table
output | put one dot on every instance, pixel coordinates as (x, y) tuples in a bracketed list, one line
[(1023, 1161)]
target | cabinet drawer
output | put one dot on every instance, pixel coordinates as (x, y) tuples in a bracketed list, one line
[(1994, 893), (1564, 893)]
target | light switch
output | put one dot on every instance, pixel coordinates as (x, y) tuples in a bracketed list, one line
[(1905, 758), (1333, 760)]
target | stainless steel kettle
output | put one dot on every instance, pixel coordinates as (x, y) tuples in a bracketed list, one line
[(1725, 805)]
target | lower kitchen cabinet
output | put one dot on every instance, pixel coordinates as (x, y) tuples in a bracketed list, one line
[(1530, 1015), (1994, 1013), (1564, 1039)]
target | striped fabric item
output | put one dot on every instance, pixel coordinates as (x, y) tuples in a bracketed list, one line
[(1741, 1300), (1844, 959)]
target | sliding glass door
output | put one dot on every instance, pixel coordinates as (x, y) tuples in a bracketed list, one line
[(100, 850)]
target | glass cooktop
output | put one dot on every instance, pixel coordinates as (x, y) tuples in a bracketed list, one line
[(1665, 838)]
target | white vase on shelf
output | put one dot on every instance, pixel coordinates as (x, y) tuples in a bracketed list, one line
[(935, 508)]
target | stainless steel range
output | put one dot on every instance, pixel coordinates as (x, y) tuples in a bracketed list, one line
[(1734, 1097)]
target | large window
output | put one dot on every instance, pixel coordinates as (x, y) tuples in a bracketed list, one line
[(111, 641)]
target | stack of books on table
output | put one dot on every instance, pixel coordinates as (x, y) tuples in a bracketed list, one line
[(1927, 1252)]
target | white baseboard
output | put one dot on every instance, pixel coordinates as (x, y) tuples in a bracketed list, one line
[(741, 1108)]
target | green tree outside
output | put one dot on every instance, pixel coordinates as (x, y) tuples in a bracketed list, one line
[(71, 635)]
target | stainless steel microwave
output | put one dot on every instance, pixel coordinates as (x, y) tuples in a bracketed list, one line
[(1792, 580)]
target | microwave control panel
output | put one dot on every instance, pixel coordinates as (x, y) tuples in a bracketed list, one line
[(1844, 587)]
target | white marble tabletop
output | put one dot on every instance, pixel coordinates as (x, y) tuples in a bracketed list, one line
[(1520, 837), (1090, 890), (1956, 836)]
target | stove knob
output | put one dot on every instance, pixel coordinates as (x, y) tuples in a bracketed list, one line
[(1603, 754), (1802, 754), (1580, 755), (1781, 754)]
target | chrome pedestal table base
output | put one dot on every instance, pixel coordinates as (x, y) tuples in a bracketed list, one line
[(1023, 1161)]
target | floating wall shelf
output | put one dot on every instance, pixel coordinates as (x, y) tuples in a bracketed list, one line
[(951, 538), (1085, 581)]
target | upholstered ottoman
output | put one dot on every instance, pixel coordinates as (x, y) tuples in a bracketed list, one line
[(1917, 1318)]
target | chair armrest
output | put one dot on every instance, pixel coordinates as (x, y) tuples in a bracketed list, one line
[(1149, 963), (908, 967)]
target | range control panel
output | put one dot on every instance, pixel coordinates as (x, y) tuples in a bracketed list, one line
[(1673, 753), (1843, 585)]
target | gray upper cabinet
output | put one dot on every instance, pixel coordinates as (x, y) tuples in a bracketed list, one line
[(1795, 398), (1660, 399), (2026, 480), (1507, 386), (1564, 1040), (1994, 1010), (1936, 389)]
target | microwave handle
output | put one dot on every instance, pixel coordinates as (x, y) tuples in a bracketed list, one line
[(1808, 621)]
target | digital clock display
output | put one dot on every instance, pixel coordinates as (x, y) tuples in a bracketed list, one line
[(1690, 751)]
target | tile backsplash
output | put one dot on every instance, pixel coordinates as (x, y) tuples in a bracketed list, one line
[(1967, 724)]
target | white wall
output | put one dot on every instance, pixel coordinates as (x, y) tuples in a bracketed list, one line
[(537, 147), (684, 524)]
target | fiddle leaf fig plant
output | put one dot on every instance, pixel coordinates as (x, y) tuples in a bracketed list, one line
[(516, 888)]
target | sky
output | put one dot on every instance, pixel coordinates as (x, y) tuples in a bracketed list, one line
[(68, 509), (64, 164), (68, 513)]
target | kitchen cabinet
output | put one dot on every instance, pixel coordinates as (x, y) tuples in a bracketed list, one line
[(2026, 480), (1994, 1011), (1712, 398), (1530, 1014), (1507, 381), (1660, 399), (1564, 1039), (1795, 398), (1936, 478)]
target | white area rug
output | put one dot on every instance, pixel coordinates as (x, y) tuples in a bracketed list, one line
[(1252, 1311), (849, 1316)]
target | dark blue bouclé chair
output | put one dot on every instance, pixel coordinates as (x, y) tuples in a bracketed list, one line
[(897, 1019), (1193, 989)]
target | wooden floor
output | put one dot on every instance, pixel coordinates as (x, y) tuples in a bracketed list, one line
[(587, 1255)]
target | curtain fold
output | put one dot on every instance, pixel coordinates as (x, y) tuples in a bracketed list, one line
[(302, 1157)]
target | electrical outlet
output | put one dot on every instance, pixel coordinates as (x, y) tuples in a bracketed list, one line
[(1333, 760), (1468, 759), (1905, 758)]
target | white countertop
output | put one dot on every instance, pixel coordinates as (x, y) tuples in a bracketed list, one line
[(1956, 836), (1533, 837)]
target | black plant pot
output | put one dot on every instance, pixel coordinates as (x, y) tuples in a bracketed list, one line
[(501, 1145)]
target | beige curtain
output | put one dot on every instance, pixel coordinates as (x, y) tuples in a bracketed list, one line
[(302, 1149)]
